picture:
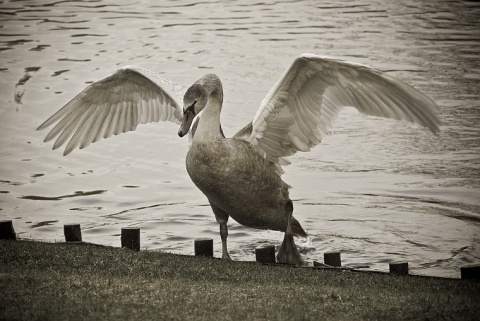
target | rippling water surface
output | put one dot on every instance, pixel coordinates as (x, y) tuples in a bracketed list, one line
[(376, 190)]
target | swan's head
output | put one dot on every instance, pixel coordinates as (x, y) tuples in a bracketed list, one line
[(196, 98)]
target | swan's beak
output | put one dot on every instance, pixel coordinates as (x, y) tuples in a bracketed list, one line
[(188, 117)]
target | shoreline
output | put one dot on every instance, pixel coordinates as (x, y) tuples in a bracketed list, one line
[(60, 281)]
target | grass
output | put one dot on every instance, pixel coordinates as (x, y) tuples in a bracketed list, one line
[(44, 281)]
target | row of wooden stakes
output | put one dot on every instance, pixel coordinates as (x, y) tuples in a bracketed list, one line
[(130, 238)]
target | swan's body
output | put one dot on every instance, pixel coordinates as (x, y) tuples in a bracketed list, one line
[(241, 176)]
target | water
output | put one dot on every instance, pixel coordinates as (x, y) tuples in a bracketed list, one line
[(376, 190)]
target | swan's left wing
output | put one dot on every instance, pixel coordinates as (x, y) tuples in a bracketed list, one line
[(300, 109)]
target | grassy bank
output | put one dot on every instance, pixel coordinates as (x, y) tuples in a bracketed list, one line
[(42, 281)]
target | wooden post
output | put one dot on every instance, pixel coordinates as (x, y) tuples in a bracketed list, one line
[(72, 232), (203, 247), (332, 258), (131, 238), (399, 268), (471, 271), (6, 231), (265, 254)]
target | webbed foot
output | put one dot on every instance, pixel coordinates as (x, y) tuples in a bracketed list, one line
[(288, 252)]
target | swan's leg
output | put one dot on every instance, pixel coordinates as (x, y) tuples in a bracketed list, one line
[(223, 235), (288, 252), (222, 219)]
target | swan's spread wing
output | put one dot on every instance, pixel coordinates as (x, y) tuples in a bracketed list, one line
[(113, 105), (300, 109)]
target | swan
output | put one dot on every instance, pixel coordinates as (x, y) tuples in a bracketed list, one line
[(241, 175)]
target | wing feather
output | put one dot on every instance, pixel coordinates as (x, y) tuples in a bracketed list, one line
[(302, 106), (113, 105), (71, 129), (114, 119), (106, 115), (77, 136)]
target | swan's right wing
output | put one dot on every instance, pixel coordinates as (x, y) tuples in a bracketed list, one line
[(113, 105)]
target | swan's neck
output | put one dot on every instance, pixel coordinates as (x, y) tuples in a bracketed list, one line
[(209, 123)]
